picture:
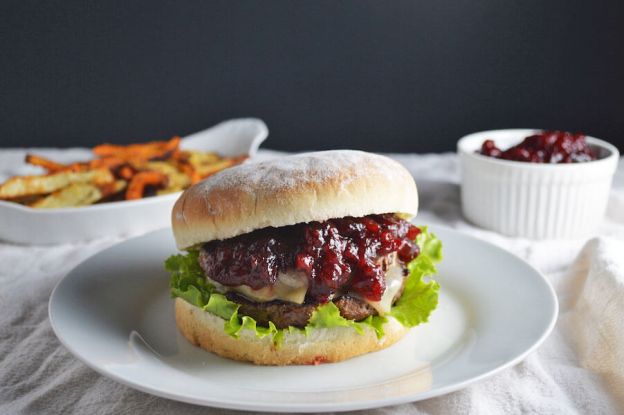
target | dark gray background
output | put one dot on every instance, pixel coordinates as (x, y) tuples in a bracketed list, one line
[(386, 75)]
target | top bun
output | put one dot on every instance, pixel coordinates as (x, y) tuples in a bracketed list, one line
[(289, 190)]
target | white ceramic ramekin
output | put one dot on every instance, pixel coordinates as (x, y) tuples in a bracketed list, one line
[(532, 200)]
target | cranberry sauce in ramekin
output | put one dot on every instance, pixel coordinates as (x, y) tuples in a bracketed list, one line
[(544, 147)]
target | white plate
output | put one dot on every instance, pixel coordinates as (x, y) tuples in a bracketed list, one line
[(115, 314), (24, 225)]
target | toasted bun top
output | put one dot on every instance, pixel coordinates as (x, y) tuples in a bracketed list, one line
[(293, 189)]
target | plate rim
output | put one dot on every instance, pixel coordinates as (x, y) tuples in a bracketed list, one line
[(302, 407)]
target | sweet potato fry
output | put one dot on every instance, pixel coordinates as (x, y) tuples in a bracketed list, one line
[(135, 152), (77, 167), (54, 167), (126, 172), (190, 171), (49, 165), (110, 162), (110, 189), (181, 155), (21, 186), (240, 159), (137, 185)]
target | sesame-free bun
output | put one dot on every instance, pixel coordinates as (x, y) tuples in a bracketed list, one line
[(322, 345), (293, 189)]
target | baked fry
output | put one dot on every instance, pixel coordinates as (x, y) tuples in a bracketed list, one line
[(198, 158), (190, 171), (20, 186), (49, 165), (176, 180), (137, 185), (115, 187), (136, 152), (53, 166), (27, 200), (117, 172), (109, 162), (126, 172), (210, 169), (79, 194), (76, 194)]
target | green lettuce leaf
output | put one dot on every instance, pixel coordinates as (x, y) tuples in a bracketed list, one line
[(327, 316), (419, 298), (429, 244), (221, 306), (234, 324), (187, 279), (376, 323)]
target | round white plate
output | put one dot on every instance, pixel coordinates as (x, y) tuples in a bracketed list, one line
[(115, 314)]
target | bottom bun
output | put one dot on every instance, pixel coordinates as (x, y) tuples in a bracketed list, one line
[(320, 346)]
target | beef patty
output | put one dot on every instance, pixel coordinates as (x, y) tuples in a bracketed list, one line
[(284, 314)]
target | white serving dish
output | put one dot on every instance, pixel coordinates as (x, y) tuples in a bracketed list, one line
[(24, 225), (114, 312), (534, 200)]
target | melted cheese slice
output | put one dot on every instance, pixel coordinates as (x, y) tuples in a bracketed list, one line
[(290, 286), (394, 282)]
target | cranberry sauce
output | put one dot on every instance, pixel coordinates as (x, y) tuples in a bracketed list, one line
[(337, 255), (545, 147)]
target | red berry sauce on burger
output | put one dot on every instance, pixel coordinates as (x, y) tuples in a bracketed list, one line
[(337, 255), (545, 147)]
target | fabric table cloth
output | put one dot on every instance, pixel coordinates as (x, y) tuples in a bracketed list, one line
[(579, 368)]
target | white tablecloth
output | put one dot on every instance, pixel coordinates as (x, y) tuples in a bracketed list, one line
[(579, 369)]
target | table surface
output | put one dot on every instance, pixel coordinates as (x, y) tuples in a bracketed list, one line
[(38, 375)]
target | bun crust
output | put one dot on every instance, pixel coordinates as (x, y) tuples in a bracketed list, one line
[(293, 189), (322, 345)]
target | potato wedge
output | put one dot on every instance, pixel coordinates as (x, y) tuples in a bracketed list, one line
[(198, 158), (21, 186), (177, 180), (79, 194), (210, 169), (188, 170), (27, 200), (76, 194)]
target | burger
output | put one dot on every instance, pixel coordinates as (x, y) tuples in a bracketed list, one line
[(304, 259)]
